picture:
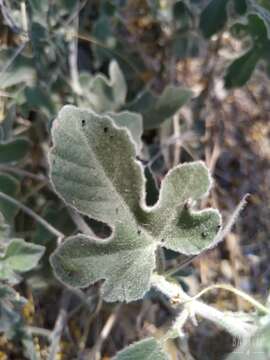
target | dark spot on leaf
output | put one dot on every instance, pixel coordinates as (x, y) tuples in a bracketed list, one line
[(83, 123), (105, 129), (111, 136), (162, 241), (204, 234), (218, 227), (139, 232)]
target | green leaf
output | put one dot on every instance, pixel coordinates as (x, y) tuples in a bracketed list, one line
[(262, 11), (10, 186), (19, 256), (94, 169), (148, 349), (240, 71), (214, 17), (21, 69), (106, 94), (14, 150), (156, 109), (240, 6), (39, 100)]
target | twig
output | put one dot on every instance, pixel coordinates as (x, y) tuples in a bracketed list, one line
[(105, 333), (237, 292), (8, 19), (59, 325), (178, 143), (33, 330), (73, 55), (35, 216), (21, 172), (24, 18), (80, 223), (9, 63)]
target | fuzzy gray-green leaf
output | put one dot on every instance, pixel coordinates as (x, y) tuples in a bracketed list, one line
[(125, 261), (106, 94), (19, 256), (94, 169), (148, 349), (133, 122), (172, 219)]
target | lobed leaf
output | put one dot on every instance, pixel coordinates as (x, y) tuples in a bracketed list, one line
[(106, 94), (93, 167)]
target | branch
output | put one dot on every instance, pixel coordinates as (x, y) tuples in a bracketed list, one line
[(35, 216), (59, 325)]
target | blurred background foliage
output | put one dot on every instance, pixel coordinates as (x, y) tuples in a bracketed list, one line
[(197, 71)]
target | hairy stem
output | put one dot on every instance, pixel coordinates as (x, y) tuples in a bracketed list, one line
[(176, 295)]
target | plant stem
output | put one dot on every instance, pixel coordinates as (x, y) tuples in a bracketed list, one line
[(176, 295), (22, 172), (238, 292), (59, 325), (35, 216)]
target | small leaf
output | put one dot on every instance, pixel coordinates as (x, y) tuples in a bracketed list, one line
[(148, 349), (19, 256), (262, 11), (94, 169), (214, 17), (21, 69), (240, 71), (105, 94), (22, 256), (14, 150), (156, 109)]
